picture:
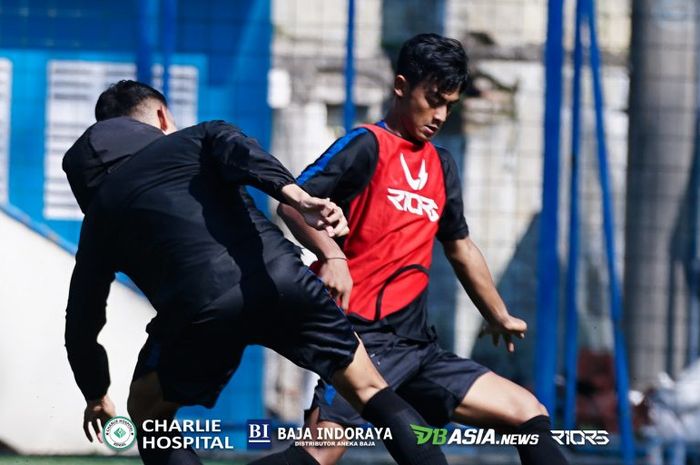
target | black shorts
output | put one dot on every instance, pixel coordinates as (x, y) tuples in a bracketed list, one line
[(431, 379), (285, 308)]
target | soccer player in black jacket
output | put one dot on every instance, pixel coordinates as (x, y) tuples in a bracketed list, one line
[(168, 209)]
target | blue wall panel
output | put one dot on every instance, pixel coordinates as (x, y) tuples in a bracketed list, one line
[(228, 42)]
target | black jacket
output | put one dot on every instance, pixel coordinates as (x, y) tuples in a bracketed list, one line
[(171, 213)]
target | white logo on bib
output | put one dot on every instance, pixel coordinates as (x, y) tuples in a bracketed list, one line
[(418, 183), (413, 203)]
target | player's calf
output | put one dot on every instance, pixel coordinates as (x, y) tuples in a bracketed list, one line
[(358, 383), (530, 417), (546, 450), (146, 403)]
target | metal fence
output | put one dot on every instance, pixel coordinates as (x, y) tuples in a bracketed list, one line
[(279, 69)]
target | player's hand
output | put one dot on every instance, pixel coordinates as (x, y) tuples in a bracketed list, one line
[(505, 327), (97, 413), (324, 215), (335, 274)]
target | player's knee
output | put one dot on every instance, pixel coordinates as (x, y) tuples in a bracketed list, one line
[(360, 380), (145, 400), (528, 407), (370, 386), (374, 381), (138, 412)]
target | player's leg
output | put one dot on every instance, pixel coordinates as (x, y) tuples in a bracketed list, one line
[(334, 407), (314, 333), (330, 410), (189, 369), (496, 401), (364, 388), (358, 383), (146, 402), (324, 455), (451, 388), (307, 455)]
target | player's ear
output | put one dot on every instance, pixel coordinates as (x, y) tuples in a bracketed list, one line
[(401, 86), (164, 120)]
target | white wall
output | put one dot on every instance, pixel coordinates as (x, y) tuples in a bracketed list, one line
[(41, 407)]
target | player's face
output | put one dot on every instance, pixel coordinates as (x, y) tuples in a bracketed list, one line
[(424, 109)]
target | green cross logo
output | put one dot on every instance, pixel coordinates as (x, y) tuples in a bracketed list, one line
[(119, 433)]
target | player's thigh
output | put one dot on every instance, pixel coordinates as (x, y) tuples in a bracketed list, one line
[(441, 384), (395, 362), (496, 401), (193, 367), (305, 325), (359, 381), (146, 400)]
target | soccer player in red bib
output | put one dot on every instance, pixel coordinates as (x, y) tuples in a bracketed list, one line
[(400, 192)]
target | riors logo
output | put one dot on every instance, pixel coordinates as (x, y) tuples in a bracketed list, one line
[(119, 433), (413, 203)]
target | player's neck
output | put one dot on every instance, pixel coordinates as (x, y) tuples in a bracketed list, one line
[(392, 123)]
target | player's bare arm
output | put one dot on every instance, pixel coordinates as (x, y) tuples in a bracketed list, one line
[(333, 271), (474, 275), (319, 214)]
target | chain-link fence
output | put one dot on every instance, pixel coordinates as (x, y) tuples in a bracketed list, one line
[(277, 69)]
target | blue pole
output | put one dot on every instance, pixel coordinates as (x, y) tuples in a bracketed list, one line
[(547, 261), (621, 372), (571, 341), (147, 11), (349, 107), (168, 30)]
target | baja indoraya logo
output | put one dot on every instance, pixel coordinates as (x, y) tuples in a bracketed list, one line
[(119, 433), (471, 437)]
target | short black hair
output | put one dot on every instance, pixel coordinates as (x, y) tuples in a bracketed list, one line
[(123, 98), (434, 59)]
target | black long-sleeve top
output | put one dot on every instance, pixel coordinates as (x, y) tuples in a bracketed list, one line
[(171, 213)]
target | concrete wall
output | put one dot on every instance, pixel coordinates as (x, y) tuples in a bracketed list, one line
[(41, 407), (503, 163)]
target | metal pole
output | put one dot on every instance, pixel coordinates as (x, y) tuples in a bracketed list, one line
[(547, 260), (694, 272), (349, 107), (621, 374), (168, 30), (147, 10), (571, 341)]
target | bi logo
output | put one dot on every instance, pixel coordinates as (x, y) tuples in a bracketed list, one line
[(259, 434)]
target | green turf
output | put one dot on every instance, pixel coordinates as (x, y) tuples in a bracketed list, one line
[(21, 460)]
